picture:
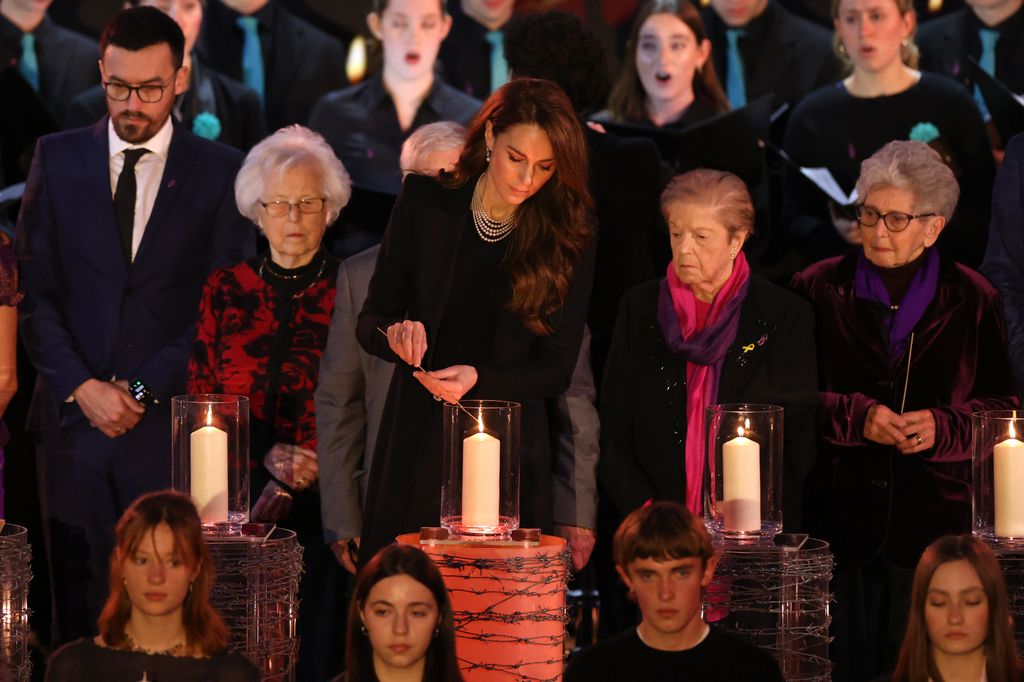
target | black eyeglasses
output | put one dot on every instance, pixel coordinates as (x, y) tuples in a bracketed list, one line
[(279, 209), (895, 221), (120, 92)]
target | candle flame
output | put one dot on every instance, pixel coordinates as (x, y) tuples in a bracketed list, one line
[(355, 64), (209, 415), (1013, 431), (480, 419)]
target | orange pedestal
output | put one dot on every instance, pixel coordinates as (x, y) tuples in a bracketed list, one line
[(509, 604)]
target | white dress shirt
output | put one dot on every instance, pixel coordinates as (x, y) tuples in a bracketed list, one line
[(149, 171)]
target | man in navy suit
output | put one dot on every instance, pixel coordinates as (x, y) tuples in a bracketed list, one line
[(120, 225)]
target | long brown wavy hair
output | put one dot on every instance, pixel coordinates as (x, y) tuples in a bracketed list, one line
[(205, 632), (628, 101), (555, 223), (441, 663), (915, 662)]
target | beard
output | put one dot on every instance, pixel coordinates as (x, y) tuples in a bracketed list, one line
[(135, 127)]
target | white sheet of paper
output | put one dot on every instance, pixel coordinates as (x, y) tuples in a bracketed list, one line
[(822, 177)]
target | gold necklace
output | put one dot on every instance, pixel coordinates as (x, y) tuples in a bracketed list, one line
[(489, 229), (174, 650)]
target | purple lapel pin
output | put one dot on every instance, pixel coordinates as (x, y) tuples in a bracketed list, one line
[(172, 183)]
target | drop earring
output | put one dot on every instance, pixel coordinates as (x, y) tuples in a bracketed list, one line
[(488, 157)]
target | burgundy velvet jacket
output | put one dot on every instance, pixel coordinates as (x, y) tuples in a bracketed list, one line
[(868, 498)]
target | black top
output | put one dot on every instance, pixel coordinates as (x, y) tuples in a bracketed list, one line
[(236, 108), (718, 658), (699, 110), (465, 56), (644, 395), (300, 62), (361, 125), (67, 62), (86, 660), (946, 43), (782, 54), (836, 130)]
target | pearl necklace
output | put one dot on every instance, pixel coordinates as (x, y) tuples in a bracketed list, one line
[(490, 230)]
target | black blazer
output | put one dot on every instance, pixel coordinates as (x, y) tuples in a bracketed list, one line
[(67, 62), (300, 61), (465, 57), (413, 280), (946, 42), (643, 399), (236, 106), (793, 56)]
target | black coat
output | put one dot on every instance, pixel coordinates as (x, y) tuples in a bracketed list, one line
[(300, 62), (643, 399), (413, 280), (235, 106)]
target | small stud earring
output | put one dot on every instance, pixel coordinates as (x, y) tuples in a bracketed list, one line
[(362, 629), (842, 49), (904, 42)]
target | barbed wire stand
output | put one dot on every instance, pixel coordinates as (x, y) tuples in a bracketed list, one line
[(509, 605), (776, 596), (256, 592), (15, 576)]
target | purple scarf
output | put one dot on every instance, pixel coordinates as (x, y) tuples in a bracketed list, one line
[(868, 286), (704, 352)]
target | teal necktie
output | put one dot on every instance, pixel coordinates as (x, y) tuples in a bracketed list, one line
[(252, 55), (499, 67), (989, 38), (735, 87), (28, 65)]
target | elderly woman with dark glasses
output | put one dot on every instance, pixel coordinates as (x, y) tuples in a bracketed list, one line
[(910, 345)]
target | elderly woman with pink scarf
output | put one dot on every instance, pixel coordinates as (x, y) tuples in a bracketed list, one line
[(709, 332)]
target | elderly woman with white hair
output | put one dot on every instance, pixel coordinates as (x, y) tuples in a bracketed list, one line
[(910, 345), (261, 333)]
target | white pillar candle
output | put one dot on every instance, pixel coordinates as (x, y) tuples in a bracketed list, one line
[(209, 475), (481, 473), (741, 473), (1009, 487)]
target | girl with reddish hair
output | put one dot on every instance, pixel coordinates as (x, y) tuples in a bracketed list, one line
[(157, 623)]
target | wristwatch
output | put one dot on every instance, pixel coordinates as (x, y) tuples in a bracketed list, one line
[(139, 391)]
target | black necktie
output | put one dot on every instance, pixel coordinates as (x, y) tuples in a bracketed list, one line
[(124, 199)]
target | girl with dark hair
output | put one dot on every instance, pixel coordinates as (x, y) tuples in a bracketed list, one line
[(367, 123), (400, 621), (483, 278), (668, 78), (158, 622), (960, 625)]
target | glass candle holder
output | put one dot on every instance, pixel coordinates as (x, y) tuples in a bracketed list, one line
[(210, 457), (480, 474), (997, 471), (743, 481)]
